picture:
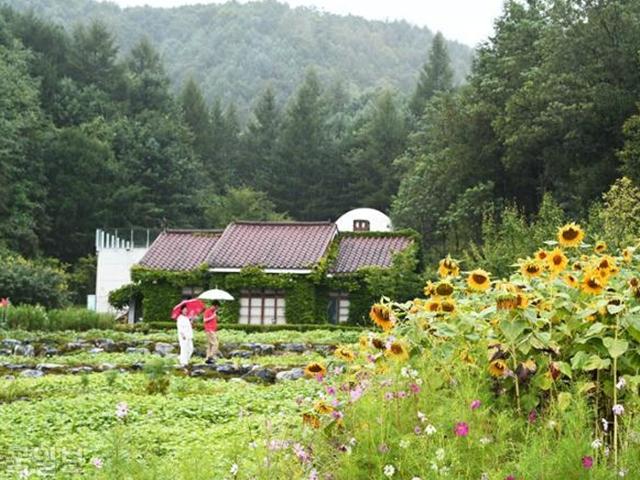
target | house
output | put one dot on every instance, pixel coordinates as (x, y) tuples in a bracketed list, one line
[(279, 272)]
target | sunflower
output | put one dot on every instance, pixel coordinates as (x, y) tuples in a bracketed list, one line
[(432, 305), (522, 300), (466, 357), (478, 280), (444, 289), (310, 419), (397, 351), (577, 266), (343, 353), (571, 280), (627, 254), (541, 255), (506, 301), (557, 261), (570, 235), (448, 267), (448, 306), (363, 341), (323, 408), (592, 283), (381, 316), (530, 268), (429, 289), (607, 266), (498, 368), (600, 247), (315, 369), (378, 343)]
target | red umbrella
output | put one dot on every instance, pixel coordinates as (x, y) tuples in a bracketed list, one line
[(194, 306)]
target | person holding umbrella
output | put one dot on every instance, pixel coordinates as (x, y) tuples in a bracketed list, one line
[(210, 319), (185, 336)]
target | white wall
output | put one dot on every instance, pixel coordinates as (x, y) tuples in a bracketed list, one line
[(378, 221), (114, 271)]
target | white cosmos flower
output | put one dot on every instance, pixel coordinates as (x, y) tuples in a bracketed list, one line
[(389, 470)]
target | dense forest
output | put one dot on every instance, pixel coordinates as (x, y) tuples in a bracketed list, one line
[(92, 136), (234, 51)]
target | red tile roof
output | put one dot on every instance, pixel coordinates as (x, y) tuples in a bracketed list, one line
[(274, 245), (355, 252), (180, 249)]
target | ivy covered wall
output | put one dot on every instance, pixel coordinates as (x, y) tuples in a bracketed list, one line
[(307, 296)]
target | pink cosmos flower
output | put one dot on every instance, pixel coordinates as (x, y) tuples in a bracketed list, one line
[(337, 414), (461, 429), (417, 430), (415, 388), (509, 477), (331, 390), (356, 393), (533, 416), (475, 404), (388, 396), (401, 394), (97, 462), (587, 462)]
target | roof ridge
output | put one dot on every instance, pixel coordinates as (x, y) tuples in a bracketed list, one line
[(281, 222), (193, 230)]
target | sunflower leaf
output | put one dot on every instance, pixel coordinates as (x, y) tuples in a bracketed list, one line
[(616, 347)]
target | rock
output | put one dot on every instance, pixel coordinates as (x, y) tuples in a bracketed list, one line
[(141, 351), (9, 377), (26, 350), (163, 349), (14, 366), (262, 348), (103, 367), (50, 367), (111, 346), (30, 373), (96, 350), (231, 369), (241, 354), (293, 347), (324, 349), (263, 374), (50, 351), (82, 369), (137, 366), (293, 374), (6, 352), (198, 372), (11, 343), (71, 346)]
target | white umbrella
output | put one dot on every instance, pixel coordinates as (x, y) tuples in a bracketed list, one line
[(215, 294)]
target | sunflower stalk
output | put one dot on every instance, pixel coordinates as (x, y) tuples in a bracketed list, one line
[(615, 400)]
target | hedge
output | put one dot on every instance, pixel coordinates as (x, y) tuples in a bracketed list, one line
[(147, 326)]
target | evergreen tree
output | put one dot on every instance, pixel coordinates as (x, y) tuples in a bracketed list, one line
[(148, 83), (260, 141), (436, 76), (196, 115)]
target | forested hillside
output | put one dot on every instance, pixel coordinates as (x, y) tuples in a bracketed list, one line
[(234, 51), (92, 135)]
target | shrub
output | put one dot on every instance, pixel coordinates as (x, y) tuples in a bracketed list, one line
[(254, 328), (32, 282), (157, 372), (27, 317)]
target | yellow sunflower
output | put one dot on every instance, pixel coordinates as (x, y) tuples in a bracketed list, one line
[(397, 351), (444, 289), (310, 419), (429, 289), (344, 353), (323, 408), (522, 300), (530, 268), (315, 369), (432, 305), (570, 280), (479, 280), (592, 283), (448, 306), (557, 261), (541, 255), (381, 316), (627, 254), (378, 343), (363, 341), (570, 235), (600, 247), (577, 266), (498, 368), (448, 267)]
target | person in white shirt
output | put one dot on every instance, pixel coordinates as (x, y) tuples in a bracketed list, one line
[(185, 337)]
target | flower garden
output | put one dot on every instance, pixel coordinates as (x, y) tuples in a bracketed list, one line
[(535, 376)]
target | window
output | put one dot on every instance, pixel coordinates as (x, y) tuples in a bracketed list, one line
[(339, 307), (262, 307), (361, 225), (191, 292)]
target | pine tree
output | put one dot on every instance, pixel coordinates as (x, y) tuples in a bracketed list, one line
[(196, 115), (148, 84), (436, 76)]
